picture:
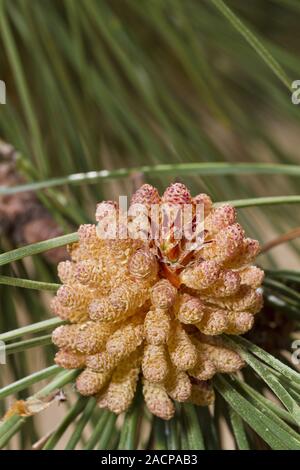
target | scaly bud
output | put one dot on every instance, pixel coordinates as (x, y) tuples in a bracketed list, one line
[(177, 193), (126, 339), (178, 385), (163, 294), (220, 218), (157, 400), (143, 265), (202, 394), (65, 271), (122, 386), (182, 352), (157, 326), (252, 276), (155, 365), (190, 309), (90, 382), (239, 323), (101, 362), (146, 195), (214, 321), (201, 275), (205, 201), (69, 360), (123, 302), (226, 245)]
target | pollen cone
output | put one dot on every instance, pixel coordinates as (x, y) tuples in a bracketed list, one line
[(153, 308)]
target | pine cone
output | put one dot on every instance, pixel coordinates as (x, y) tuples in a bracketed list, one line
[(156, 307), (22, 217)]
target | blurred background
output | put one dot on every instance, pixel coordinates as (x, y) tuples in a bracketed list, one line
[(120, 84), (95, 84)]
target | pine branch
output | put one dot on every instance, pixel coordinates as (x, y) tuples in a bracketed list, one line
[(31, 329), (218, 168), (253, 40), (26, 382), (36, 248), (28, 284)]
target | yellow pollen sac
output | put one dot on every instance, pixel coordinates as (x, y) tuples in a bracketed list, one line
[(217, 356), (252, 276), (101, 362), (90, 244), (75, 297), (155, 364), (153, 310), (126, 339), (205, 369), (91, 273), (190, 309), (202, 394), (157, 326), (227, 284), (219, 219), (245, 299), (69, 359), (214, 321), (183, 353), (74, 315), (64, 336), (245, 255), (66, 272), (178, 385), (157, 400), (123, 302), (90, 382), (200, 276), (239, 322), (87, 338), (92, 336), (226, 245), (122, 386), (205, 201), (143, 265), (163, 294)]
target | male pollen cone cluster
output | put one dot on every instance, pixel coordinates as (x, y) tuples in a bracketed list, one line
[(154, 309)]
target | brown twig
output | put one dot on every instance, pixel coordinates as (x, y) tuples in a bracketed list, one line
[(23, 218), (286, 237), (38, 445)]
